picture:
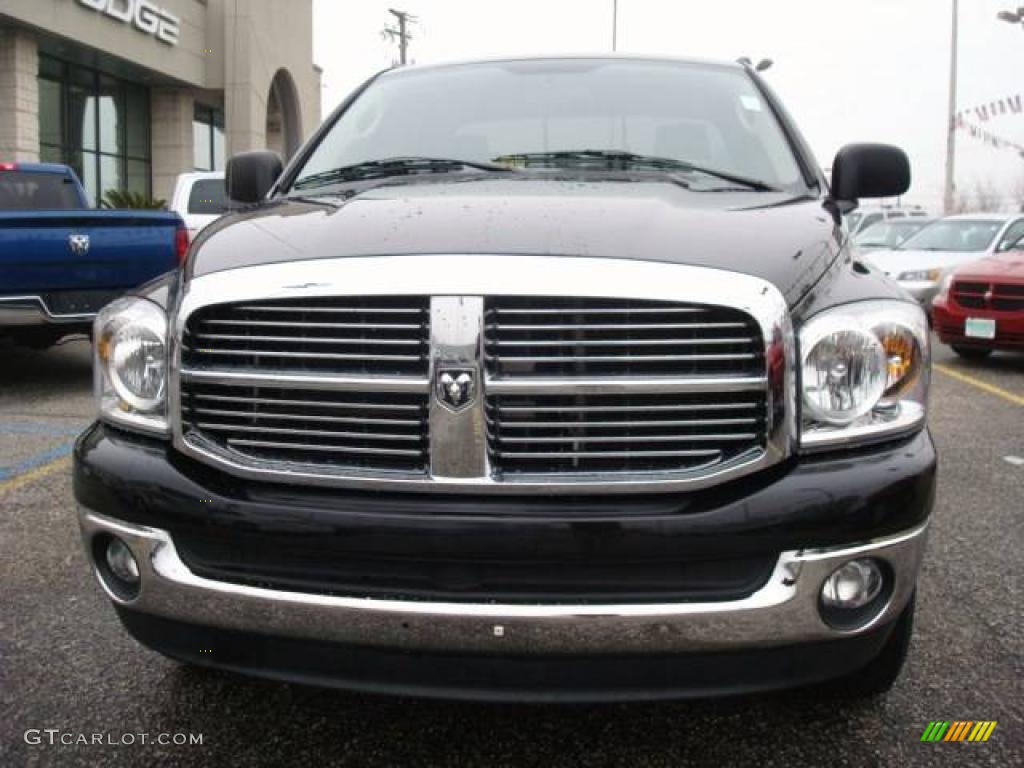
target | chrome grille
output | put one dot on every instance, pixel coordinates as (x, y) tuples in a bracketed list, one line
[(562, 336), (622, 433), (342, 372), (379, 336), (364, 431)]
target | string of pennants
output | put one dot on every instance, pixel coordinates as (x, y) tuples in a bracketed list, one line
[(989, 138), (1013, 105)]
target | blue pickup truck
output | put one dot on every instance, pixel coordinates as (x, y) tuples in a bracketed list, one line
[(60, 261)]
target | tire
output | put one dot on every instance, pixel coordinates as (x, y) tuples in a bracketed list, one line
[(972, 353), (881, 672)]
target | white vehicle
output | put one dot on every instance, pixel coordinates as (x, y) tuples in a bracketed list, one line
[(199, 199), (862, 218), (922, 261)]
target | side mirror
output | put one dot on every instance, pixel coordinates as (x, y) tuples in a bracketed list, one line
[(870, 170), (250, 175)]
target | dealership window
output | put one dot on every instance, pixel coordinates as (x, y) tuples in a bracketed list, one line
[(208, 138), (97, 124)]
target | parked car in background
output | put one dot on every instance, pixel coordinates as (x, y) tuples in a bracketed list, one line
[(61, 261), (981, 305), (889, 234), (199, 199), (921, 262), (862, 218)]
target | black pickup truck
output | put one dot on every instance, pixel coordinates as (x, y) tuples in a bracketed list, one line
[(546, 379)]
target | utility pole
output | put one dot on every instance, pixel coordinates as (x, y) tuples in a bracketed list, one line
[(401, 34), (615, 25), (949, 197)]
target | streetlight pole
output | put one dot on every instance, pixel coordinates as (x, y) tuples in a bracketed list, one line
[(615, 25), (948, 198)]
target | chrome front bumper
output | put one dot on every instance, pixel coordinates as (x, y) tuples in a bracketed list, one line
[(31, 311), (783, 612)]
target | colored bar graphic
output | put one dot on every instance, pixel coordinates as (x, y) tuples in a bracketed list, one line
[(959, 730)]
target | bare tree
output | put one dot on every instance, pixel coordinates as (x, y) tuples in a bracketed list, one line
[(986, 197), (1018, 194)]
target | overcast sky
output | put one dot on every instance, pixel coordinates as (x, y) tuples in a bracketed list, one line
[(870, 70)]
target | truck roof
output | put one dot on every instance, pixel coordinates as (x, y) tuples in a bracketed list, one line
[(55, 168)]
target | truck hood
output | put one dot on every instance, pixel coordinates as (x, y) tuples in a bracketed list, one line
[(789, 242), (1002, 267)]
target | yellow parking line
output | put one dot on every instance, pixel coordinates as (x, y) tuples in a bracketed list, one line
[(992, 389), (34, 474)]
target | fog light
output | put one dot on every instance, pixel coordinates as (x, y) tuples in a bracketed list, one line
[(122, 563), (853, 585)]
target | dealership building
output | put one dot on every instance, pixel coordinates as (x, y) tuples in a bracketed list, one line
[(130, 93)]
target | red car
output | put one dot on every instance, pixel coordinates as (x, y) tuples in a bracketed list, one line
[(981, 306)]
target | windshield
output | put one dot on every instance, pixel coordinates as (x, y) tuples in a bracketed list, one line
[(887, 234), (705, 115), (965, 235)]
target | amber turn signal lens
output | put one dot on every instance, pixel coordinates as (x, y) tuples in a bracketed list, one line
[(899, 353)]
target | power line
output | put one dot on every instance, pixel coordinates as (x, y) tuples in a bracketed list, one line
[(400, 33)]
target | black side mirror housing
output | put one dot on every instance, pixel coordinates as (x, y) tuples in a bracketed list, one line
[(869, 170), (250, 175)]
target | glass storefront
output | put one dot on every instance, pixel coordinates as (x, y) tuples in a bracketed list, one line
[(208, 138), (97, 124)]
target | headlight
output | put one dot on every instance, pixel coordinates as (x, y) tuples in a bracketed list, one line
[(947, 283), (130, 370), (864, 373), (920, 276)]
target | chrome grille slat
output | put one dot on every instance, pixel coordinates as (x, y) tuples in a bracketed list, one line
[(618, 409), (321, 448), (572, 440), (310, 417), (611, 454), (261, 353), (624, 342), (585, 310), (592, 424), (303, 381), (300, 324), (215, 427), (615, 327), (623, 358), (310, 340), (311, 308), (305, 403)]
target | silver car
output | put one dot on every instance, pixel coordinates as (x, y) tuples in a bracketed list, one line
[(922, 261)]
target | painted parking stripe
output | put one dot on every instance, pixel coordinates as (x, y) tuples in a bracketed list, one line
[(39, 428), (992, 389), (17, 481), (62, 451)]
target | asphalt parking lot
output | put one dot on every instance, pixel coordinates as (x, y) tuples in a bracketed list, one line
[(65, 663)]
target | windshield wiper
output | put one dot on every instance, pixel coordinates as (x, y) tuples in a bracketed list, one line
[(394, 166), (618, 160)]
